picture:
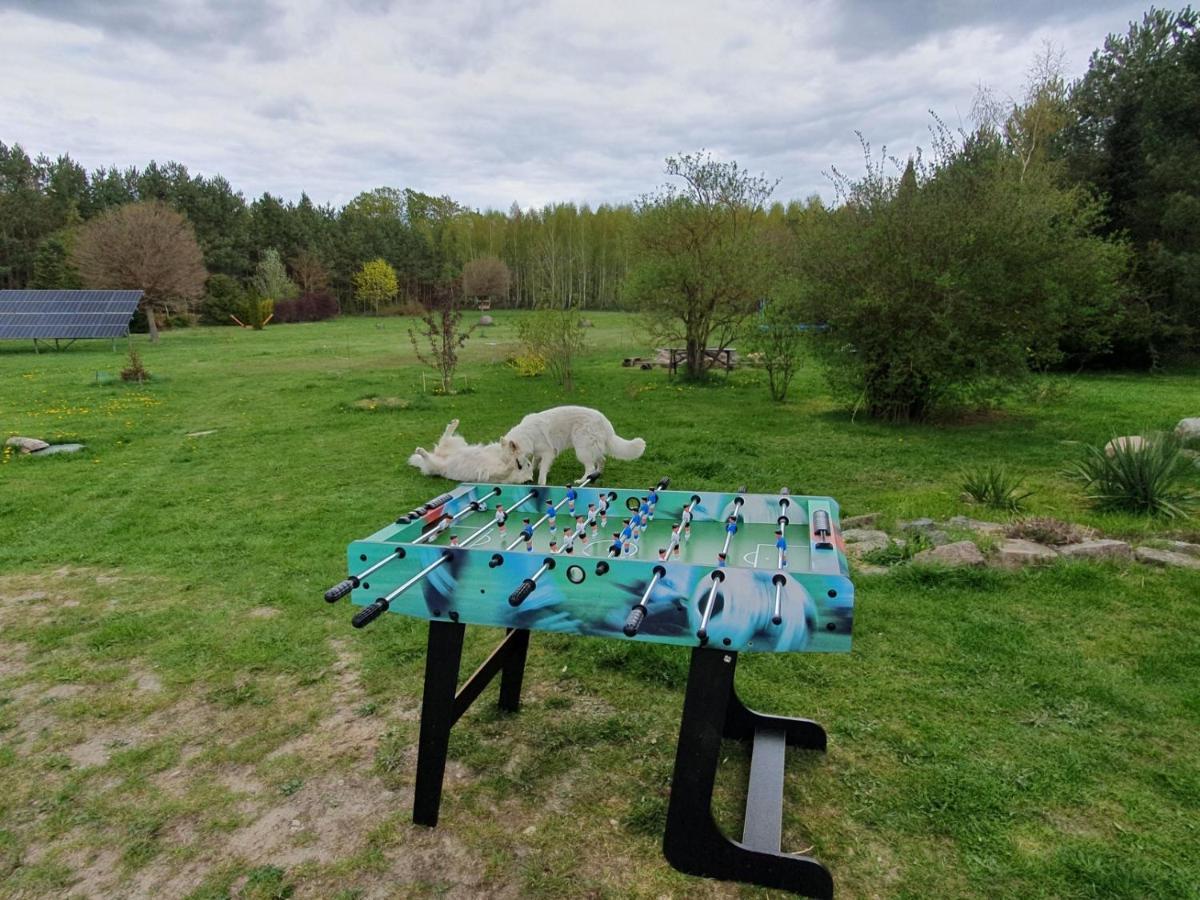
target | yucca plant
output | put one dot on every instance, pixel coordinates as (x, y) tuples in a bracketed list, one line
[(996, 487), (1143, 479)]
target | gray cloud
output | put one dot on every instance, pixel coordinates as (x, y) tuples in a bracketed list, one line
[(526, 101), (178, 25)]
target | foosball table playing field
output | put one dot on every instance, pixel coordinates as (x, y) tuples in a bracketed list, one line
[(722, 573)]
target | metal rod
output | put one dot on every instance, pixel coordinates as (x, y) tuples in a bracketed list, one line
[(381, 605), (717, 578), (582, 482), (737, 505), (777, 614), (469, 508)]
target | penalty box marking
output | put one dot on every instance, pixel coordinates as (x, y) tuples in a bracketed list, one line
[(757, 550)]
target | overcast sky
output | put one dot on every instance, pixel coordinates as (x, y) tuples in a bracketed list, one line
[(496, 102)]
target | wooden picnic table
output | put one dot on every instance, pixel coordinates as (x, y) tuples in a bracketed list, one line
[(722, 356)]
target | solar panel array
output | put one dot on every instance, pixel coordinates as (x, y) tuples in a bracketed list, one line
[(66, 314)]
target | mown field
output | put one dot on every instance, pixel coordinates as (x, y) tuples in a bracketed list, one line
[(181, 714)]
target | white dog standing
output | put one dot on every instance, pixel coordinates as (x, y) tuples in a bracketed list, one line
[(454, 458), (543, 435)]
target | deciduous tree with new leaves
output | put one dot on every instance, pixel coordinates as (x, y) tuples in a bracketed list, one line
[(700, 261), (147, 247), (375, 285)]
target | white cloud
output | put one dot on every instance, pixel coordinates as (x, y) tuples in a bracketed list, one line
[(496, 102)]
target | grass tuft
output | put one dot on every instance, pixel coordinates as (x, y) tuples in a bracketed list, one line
[(1144, 478), (995, 487)]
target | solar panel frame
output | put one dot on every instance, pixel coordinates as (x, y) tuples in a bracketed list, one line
[(66, 315)]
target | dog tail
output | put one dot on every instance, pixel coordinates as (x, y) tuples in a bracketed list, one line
[(619, 448)]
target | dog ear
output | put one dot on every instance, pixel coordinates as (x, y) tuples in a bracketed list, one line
[(512, 447)]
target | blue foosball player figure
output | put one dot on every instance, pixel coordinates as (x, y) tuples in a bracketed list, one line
[(781, 546), (551, 516), (572, 496), (527, 533)]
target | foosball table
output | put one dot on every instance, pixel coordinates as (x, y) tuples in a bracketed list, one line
[(721, 573)]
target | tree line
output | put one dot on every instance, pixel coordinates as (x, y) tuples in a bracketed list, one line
[(1058, 229)]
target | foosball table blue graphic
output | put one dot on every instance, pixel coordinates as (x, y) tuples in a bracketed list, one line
[(722, 573)]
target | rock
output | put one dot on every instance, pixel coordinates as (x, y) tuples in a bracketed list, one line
[(486, 320), (586, 323), (936, 536), (1184, 547), (26, 444), (960, 553), (1132, 442), (868, 569), (1165, 558), (918, 525), (1014, 553), (60, 448), (1101, 549), (1188, 431), (859, 535), (863, 521), (975, 525), (854, 551)]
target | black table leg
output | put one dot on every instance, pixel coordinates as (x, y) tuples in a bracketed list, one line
[(513, 672), (442, 659), (692, 842)]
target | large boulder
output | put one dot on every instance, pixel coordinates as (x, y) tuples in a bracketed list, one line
[(26, 444), (1015, 553), (955, 555), (1165, 558), (1100, 549), (1188, 431), (1131, 442)]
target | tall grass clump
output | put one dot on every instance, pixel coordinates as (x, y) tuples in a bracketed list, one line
[(995, 487), (1142, 479)]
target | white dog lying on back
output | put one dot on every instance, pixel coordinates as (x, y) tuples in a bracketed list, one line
[(452, 457), (543, 435)]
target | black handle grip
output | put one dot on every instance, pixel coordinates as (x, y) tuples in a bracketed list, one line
[(517, 597), (663, 483), (340, 590), (369, 614), (634, 620)]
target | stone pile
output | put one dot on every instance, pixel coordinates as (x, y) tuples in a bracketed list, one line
[(1004, 552)]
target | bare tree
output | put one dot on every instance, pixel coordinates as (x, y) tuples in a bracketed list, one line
[(486, 278), (309, 272), (147, 247), (441, 328)]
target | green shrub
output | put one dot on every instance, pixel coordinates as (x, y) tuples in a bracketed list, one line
[(942, 285), (223, 298), (1141, 479), (527, 364), (995, 487)]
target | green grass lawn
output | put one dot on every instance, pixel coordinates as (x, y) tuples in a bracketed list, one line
[(181, 714)]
